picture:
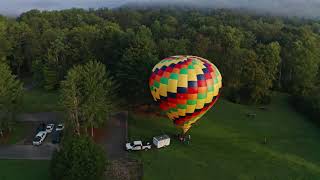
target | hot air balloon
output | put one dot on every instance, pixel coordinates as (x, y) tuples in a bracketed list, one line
[(186, 87)]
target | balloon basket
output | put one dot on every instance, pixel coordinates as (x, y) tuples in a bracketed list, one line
[(183, 138)]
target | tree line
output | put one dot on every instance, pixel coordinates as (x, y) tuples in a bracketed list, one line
[(255, 54)]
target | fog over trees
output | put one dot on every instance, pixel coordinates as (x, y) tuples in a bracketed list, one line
[(300, 8)]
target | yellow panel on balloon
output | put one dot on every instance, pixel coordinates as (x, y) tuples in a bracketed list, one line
[(209, 97), (181, 112), (200, 103), (183, 80), (154, 95), (192, 76), (163, 90), (191, 108), (175, 114), (172, 86), (198, 70), (216, 90)]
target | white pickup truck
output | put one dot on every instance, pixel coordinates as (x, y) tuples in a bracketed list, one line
[(137, 146)]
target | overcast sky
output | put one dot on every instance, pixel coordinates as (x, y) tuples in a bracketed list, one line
[(309, 8)]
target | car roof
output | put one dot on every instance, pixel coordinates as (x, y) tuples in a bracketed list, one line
[(41, 133), (137, 142)]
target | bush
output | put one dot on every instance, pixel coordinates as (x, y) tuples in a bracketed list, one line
[(78, 159)]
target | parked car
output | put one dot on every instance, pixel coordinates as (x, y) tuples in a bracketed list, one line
[(39, 138), (161, 141), (137, 146), (49, 128), (59, 127), (56, 137)]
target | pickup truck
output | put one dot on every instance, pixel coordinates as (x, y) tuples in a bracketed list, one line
[(137, 146)]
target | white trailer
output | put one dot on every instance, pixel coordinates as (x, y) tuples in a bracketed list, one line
[(161, 141)]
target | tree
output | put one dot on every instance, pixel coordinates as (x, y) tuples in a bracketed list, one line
[(79, 158), (81, 41), (4, 43), (170, 47), (55, 62), (72, 98), (135, 67), (23, 47), (11, 92), (87, 94), (301, 61), (110, 45)]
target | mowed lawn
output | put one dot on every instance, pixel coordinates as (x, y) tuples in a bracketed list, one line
[(227, 144), (38, 100), (24, 169)]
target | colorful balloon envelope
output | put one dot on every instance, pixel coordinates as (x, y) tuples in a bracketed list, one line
[(186, 87)]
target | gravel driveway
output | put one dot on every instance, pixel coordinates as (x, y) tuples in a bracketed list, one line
[(43, 152), (116, 136)]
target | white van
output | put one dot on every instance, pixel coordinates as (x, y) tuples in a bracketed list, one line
[(161, 141)]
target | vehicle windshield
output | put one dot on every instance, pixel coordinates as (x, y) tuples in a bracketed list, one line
[(36, 139), (59, 126)]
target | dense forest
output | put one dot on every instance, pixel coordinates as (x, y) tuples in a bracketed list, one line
[(256, 55)]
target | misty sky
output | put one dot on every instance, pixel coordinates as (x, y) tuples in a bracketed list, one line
[(308, 8)]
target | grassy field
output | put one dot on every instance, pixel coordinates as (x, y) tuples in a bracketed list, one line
[(24, 169), (226, 144), (40, 101)]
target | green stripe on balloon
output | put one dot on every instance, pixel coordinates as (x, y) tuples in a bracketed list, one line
[(164, 80), (182, 106), (190, 67), (202, 95), (210, 88), (156, 84), (174, 110), (191, 102), (184, 71), (174, 76)]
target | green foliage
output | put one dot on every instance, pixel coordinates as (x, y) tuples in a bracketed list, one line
[(254, 53), (134, 67), (79, 158), (88, 95), (24, 46), (4, 43), (301, 60), (11, 92), (167, 47)]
